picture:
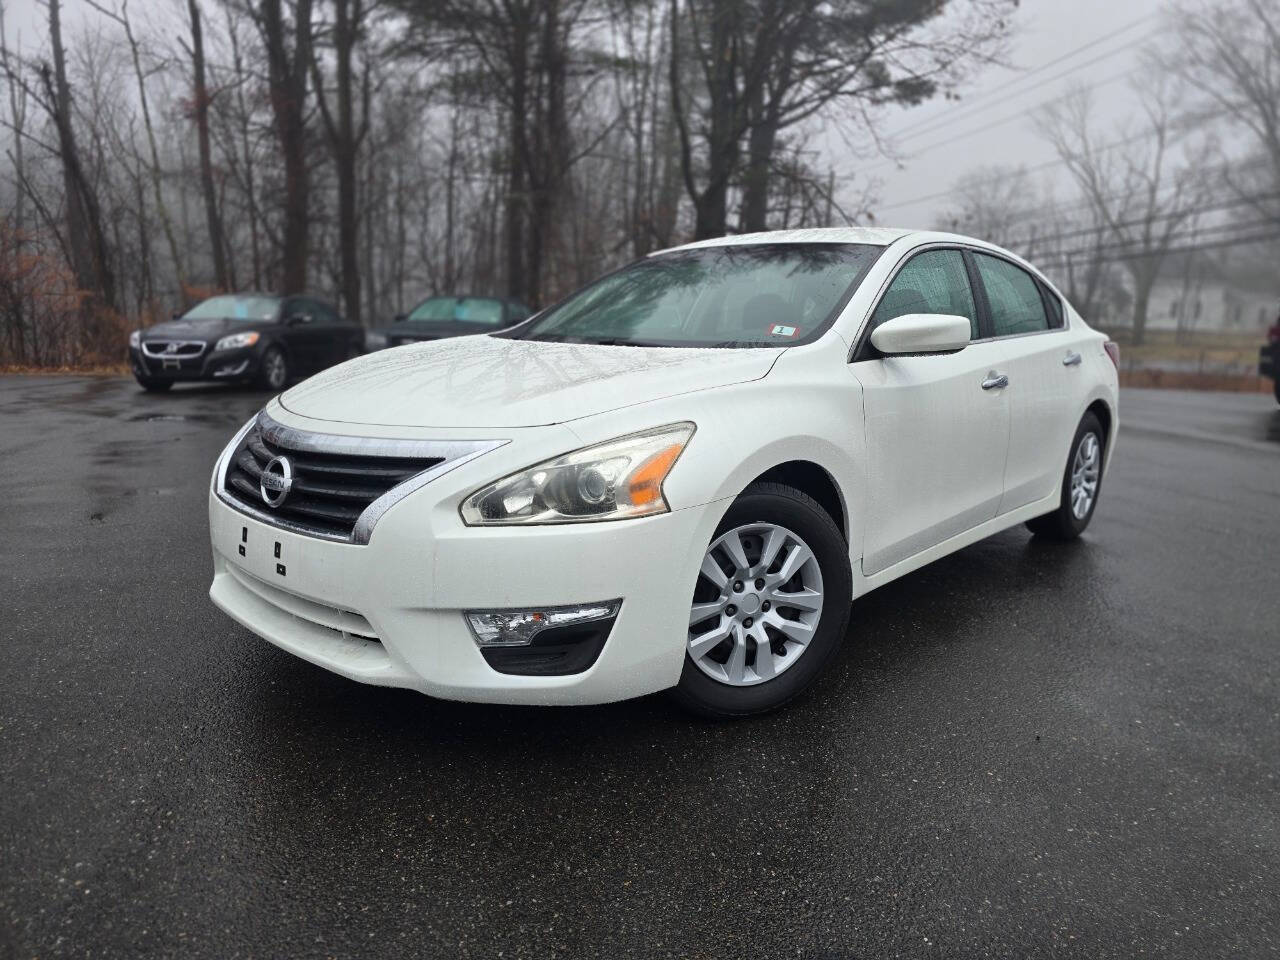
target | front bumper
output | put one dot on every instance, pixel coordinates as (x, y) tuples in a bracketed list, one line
[(237, 364), (391, 612)]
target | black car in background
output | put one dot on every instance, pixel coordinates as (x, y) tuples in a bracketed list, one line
[(1269, 358), (244, 337), (437, 318)]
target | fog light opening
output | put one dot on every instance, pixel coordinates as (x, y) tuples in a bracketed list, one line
[(517, 628)]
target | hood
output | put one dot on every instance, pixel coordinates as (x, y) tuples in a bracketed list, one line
[(484, 381), (177, 329)]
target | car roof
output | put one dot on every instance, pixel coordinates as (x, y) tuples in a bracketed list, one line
[(878, 236)]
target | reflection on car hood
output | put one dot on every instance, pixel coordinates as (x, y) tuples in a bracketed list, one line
[(484, 381)]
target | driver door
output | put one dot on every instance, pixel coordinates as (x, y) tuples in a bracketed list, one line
[(937, 426)]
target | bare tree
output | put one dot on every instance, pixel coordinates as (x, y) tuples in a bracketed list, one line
[(1143, 190), (771, 65), (287, 67), (85, 239), (200, 99), (121, 17), (1229, 52), (345, 136), (995, 203)]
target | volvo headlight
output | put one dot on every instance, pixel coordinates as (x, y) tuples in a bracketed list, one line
[(237, 340), (613, 480), (135, 338)]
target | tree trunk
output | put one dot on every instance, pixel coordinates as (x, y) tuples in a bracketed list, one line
[(156, 174), (1144, 277), (344, 142), (287, 80), (755, 186), (85, 240), (212, 216)]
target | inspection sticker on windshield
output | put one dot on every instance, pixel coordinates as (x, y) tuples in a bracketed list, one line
[(781, 330)]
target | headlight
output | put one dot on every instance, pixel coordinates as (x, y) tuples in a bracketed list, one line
[(236, 340), (135, 338), (608, 481), (374, 340)]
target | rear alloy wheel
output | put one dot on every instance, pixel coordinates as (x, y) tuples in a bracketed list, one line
[(771, 604), (1080, 485), (273, 373)]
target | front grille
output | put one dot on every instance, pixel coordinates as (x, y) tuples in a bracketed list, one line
[(175, 349), (329, 490)]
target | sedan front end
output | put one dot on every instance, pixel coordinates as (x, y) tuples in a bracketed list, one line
[(352, 552)]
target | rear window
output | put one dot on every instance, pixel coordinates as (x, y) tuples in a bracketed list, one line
[(1013, 296)]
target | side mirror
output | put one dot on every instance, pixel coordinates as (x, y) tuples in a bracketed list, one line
[(921, 333), (296, 318), (177, 314), (400, 318)]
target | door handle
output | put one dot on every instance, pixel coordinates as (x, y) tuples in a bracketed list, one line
[(995, 381), (1072, 359)]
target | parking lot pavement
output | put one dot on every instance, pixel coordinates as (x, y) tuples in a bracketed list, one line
[(1023, 750)]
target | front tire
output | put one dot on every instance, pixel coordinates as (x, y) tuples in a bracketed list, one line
[(770, 606), (1081, 484), (273, 371)]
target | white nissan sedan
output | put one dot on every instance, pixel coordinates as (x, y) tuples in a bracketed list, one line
[(678, 478)]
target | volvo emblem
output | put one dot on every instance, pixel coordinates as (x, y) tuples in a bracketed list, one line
[(276, 481), (171, 348)]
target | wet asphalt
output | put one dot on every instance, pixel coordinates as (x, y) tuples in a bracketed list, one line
[(1023, 750)]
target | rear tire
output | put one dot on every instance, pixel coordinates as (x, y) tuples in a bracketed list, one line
[(794, 554), (153, 386), (1081, 485)]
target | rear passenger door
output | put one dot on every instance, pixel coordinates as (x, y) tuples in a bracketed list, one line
[(937, 426), (1047, 386)]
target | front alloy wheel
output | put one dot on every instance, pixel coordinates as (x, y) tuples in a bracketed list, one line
[(274, 373), (770, 604), (757, 604)]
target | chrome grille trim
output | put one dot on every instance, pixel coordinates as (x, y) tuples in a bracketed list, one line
[(451, 453), (163, 344)]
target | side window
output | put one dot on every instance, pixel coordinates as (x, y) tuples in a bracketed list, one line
[(290, 306), (1056, 320), (1013, 295), (517, 311), (326, 314), (932, 282)]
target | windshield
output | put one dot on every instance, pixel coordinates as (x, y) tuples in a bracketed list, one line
[(459, 310), (732, 296), (249, 309)]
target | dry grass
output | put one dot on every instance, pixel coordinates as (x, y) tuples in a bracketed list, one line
[(1208, 351), (1191, 380), (79, 370)]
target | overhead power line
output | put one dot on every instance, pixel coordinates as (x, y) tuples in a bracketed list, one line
[(972, 131), (1022, 76), (1189, 120), (946, 121), (1068, 259)]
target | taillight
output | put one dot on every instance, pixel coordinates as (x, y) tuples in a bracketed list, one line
[(1113, 351)]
